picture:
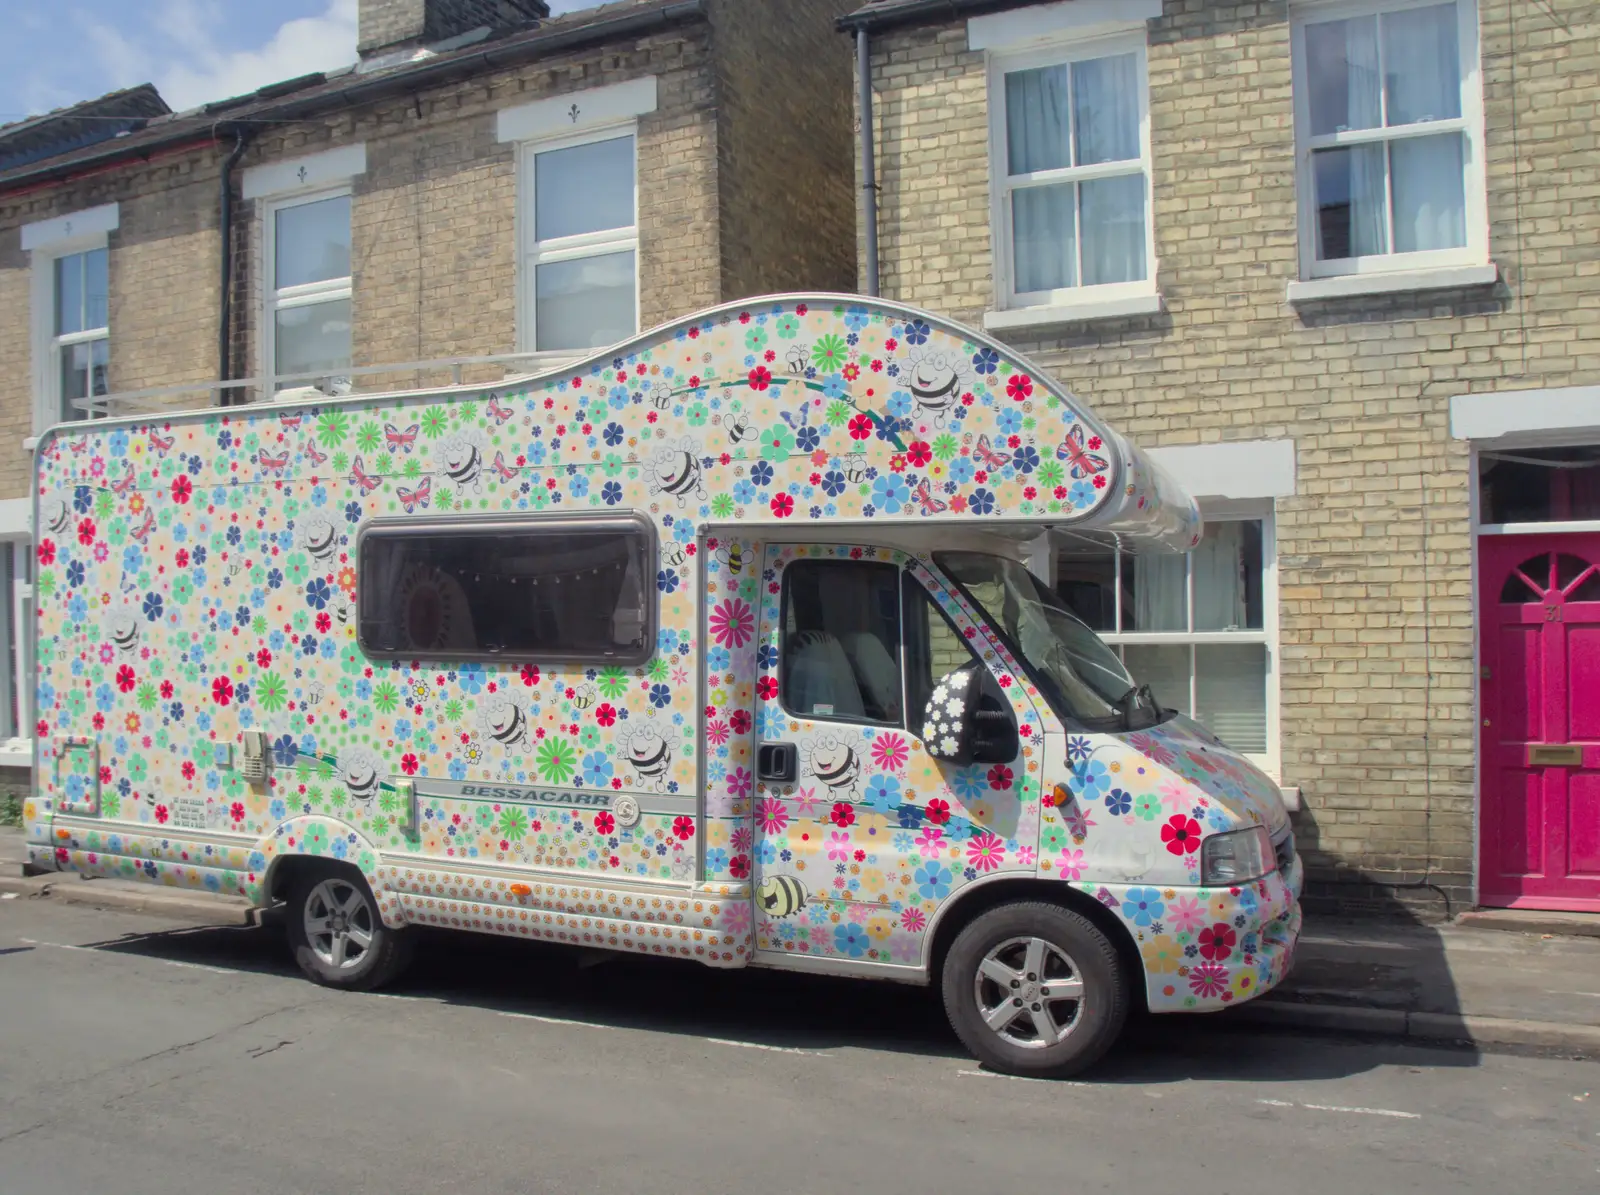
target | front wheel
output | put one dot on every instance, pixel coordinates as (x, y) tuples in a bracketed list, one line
[(1034, 989), (337, 936)]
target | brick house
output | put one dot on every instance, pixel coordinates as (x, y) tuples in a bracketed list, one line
[(484, 181), (1340, 261)]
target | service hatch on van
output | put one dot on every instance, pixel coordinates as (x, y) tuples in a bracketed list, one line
[(722, 645)]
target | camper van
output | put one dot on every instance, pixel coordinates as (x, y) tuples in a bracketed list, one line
[(723, 645)]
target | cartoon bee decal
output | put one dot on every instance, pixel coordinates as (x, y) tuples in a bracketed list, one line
[(936, 381), (835, 764), (461, 462), (737, 424), (319, 537), (854, 467), (732, 556), (55, 514), (314, 695), (661, 396), (781, 896), (676, 473), (506, 723), (359, 769), (649, 753), (125, 632), (582, 698)]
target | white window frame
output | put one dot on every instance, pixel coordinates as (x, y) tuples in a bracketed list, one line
[(16, 639), (275, 299), (1268, 636), (1470, 124), (1116, 294), (48, 345), (532, 252)]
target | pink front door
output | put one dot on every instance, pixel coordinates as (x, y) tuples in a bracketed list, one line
[(1539, 603)]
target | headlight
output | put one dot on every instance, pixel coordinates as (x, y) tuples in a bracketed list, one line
[(1236, 857)]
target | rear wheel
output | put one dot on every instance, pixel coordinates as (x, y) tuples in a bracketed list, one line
[(337, 936), (1035, 989)]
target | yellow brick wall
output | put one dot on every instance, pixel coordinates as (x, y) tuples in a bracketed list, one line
[(1377, 689)]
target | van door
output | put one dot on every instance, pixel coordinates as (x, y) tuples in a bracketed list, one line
[(861, 836)]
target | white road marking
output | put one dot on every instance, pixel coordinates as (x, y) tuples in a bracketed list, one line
[(170, 962), (755, 1045), (8, 896), (1341, 1108), (716, 1041), (1553, 992), (1023, 1079)]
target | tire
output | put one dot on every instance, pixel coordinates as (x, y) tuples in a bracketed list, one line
[(339, 903), (1047, 1035)]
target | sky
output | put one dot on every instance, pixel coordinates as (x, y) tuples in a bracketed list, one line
[(58, 52)]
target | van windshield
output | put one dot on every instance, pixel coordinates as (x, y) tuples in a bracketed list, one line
[(1082, 678)]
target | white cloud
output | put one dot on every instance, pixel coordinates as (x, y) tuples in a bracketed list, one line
[(181, 54)]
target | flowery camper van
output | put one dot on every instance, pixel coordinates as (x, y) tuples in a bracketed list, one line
[(721, 645)]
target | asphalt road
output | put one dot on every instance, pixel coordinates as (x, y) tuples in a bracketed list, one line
[(139, 1056)]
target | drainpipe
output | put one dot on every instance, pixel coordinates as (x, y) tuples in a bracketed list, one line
[(241, 139), (869, 180)]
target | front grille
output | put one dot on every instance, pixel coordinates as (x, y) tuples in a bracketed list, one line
[(1283, 848)]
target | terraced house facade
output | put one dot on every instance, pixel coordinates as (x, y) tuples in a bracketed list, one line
[(1340, 261), (486, 186)]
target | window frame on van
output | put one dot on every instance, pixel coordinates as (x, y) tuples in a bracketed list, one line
[(629, 523)]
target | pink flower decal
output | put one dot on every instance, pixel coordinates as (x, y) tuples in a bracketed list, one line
[(1208, 980), (772, 816), (986, 852), (733, 623), (890, 752)]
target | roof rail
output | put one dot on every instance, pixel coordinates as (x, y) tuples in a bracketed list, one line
[(449, 371)]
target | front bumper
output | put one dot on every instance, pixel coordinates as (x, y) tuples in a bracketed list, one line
[(1214, 947)]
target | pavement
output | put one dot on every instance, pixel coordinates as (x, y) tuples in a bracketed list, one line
[(141, 1054), (1481, 981)]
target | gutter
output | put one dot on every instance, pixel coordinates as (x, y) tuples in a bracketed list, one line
[(876, 17), (241, 139), (869, 172), (397, 83)]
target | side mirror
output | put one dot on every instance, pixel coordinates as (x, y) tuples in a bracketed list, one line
[(949, 722)]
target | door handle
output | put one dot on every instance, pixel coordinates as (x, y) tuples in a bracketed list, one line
[(778, 762)]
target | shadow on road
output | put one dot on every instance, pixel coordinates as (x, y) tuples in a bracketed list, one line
[(766, 1008)]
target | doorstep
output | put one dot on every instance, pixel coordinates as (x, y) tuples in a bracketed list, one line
[(1531, 921)]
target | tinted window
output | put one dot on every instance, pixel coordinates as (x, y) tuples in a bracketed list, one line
[(564, 590), (841, 642)]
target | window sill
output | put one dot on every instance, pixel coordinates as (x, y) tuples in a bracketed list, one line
[(1071, 313), (16, 753), (1395, 282)]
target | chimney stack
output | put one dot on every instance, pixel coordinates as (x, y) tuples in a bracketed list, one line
[(386, 26)]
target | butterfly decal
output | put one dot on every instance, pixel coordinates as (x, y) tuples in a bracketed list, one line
[(162, 446), (367, 484), (498, 413), (315, 457), (925, 499), (273, 464), (797, 419), (411, 499), (506, 472), (291, 422), (126, 484), (400, 439), (1083, 462), (986, 453), (142, 532)]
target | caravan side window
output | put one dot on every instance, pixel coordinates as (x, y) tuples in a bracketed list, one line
[(558, 590)]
